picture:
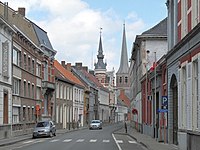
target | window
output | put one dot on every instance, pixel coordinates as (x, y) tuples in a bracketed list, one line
[(33, 93), (16, 86), (29, 112), (29, 90), (16, 57), (61, 91), (33, 66), (45, 71), (57, 90), (64, 92), (38, 70), (24, 113), (38, 90), (16, 114), (195, 92), (29, 64), (25, 61), (33, 116), (126, 79), (24, 88), (120, 79)]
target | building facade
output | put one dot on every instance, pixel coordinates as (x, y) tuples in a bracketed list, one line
[(183, 73), (148, 47), (6, 32)]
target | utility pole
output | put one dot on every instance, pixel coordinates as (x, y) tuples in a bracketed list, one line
[(155, 119)]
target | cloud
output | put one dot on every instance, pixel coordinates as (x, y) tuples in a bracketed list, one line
[(73, 29)]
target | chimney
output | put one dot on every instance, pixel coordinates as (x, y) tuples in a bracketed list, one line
[(78, 66), (6, 10), (68, 66), (63, 63), (21, 11), (85, 68)]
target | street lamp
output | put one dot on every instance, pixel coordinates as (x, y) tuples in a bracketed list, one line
[(155, 119), (146, 83)]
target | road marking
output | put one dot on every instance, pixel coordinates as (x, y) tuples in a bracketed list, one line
[(80, 140), (119, 141), (132, 142), (106, 141), (26, 142), (93, 140), (67, 140), (116, 142), (54, 140)]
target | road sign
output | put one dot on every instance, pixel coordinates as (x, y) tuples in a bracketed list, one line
[(164, 100), (162, 110)]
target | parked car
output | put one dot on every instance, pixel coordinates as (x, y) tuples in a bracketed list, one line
[(95, 124), (44, 129)]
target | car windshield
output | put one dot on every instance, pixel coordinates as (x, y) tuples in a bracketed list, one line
[(42, 124), (95, 121)]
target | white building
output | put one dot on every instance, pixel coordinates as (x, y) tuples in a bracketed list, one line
[(6, 32)]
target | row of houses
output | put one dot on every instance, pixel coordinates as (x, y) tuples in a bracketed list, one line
[(164, 77), (35, 86)]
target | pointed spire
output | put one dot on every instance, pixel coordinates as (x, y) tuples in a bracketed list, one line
[(100, 64), (124, 56)]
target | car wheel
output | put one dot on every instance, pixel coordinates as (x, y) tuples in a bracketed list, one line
[(50, 134), (54, 134), (33, 137)]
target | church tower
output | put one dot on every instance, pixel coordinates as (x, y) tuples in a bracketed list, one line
[(100, 66), (122, 75)]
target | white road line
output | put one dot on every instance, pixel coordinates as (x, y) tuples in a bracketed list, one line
[(26, 142), (106, 141), (67, 140), (132, 142), (93, 140), (54, 140), (116, 142), (119, 141), (80, 140)]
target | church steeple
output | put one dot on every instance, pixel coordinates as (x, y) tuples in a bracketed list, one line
[(122, 74), (100, 64), (124, 57)]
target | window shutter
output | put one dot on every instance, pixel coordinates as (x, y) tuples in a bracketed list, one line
[(198, 103), (179, 101), (189, 96)]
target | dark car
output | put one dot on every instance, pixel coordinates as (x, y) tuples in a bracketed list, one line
[(44, 129), (95, 124)]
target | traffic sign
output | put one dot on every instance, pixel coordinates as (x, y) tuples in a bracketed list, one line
[(164, 100), (162, 110)]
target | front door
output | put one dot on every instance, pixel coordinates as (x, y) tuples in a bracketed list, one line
[(175, 113), (5, 108)]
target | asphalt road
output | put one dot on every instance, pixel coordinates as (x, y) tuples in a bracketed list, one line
[(81, 140)]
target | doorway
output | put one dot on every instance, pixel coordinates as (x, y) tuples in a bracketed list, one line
[(174, 91), (5, 107)]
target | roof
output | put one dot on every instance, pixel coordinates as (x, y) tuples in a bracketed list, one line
[(67, 74), (124, 67), (124, 98), (43, 37), (159, 29)]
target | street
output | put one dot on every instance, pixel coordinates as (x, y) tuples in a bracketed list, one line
[(103, 139)]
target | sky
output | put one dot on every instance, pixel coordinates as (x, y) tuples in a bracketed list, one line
[(73, 26)]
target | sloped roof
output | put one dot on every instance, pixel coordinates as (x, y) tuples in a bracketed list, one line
[(124, 67), (124, 98), (94, 80), (69, 75), (158, 29)]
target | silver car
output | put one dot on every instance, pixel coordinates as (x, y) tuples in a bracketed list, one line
[(95, 124), (44, 129)]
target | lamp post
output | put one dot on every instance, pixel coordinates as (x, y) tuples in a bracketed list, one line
[(147, 85), (155, 119)]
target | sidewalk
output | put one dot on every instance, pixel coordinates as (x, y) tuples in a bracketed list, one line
[(13, 140), (147, 141)]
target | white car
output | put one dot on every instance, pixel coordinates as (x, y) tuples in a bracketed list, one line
[(95, 124)]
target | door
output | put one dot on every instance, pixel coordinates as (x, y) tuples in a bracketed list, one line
[(5, 108)]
